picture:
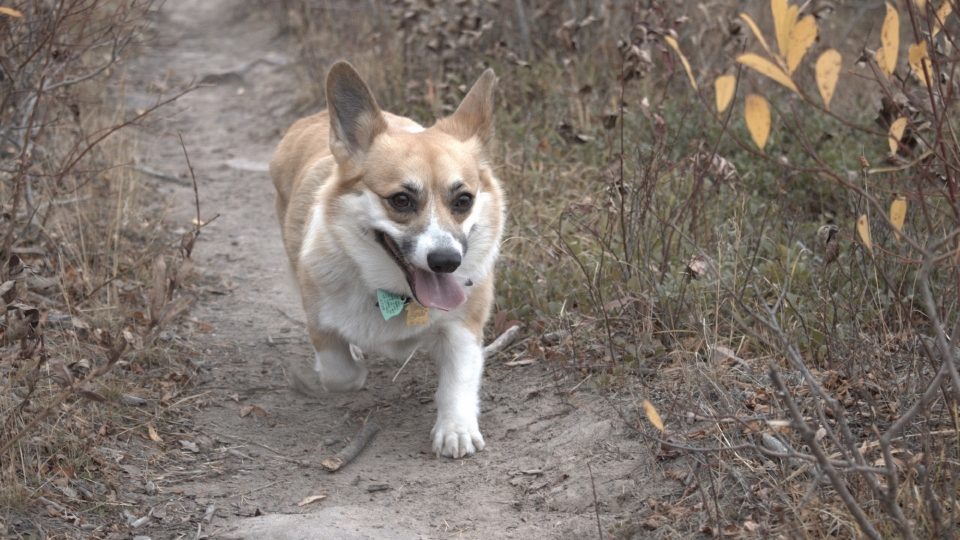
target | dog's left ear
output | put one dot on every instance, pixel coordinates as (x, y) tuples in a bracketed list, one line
[(474, 116)]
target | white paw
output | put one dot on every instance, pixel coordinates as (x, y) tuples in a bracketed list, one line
[(456, 437), (342, 376)]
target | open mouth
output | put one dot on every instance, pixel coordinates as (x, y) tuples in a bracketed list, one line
[(430, 289)]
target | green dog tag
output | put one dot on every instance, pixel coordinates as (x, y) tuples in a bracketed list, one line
[(390, 304)]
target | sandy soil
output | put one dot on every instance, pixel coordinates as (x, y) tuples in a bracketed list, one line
[(532, 481)]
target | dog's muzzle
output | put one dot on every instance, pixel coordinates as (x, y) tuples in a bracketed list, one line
[(435, 288)]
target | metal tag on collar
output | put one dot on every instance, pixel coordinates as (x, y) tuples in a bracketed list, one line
[(417, 315), (390, 304)]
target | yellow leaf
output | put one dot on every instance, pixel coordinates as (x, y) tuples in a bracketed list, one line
[(898, 212), (768, 68), (757, 114), (919, 59), (756, 31), (686, 65), (802, 36), (878, 57), (781, 24), (11, 12), (652, 415), (828, 71), (791, 23), (153, 433), (726, 86), (896, 133), (890, 39), (863, 228), (944, 11), (922, 5)]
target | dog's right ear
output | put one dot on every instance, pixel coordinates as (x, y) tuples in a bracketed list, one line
[(355, 118)]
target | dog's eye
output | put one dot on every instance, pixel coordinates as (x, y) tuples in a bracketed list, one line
[(401, 201), (463, 202)]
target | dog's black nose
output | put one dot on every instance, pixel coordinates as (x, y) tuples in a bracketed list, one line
[(444, 261)]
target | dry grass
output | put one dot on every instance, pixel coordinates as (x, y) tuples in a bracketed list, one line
[(80, 237)]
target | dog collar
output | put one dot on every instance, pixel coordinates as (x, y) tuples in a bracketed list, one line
[(390, 304)]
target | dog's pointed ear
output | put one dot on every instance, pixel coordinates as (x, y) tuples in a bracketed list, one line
[(474, 116), (355, 118)]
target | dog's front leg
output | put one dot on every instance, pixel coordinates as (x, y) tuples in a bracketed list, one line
[(340, 368), (459, 361)]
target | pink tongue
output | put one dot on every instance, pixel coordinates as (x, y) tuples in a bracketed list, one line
[(439, 291)]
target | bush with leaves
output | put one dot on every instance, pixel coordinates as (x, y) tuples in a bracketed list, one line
[(887, 271)]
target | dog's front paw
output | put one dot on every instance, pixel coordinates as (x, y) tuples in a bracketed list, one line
[(456, 437)]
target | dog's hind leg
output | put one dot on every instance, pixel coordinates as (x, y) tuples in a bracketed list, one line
[(339, 364)]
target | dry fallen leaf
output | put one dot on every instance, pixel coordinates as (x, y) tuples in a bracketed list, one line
[(153, 433), (828, 72), (252, 409), (827, 236), (312, 498), (719, 353), (757, 114), (652, 415), (11, 12)]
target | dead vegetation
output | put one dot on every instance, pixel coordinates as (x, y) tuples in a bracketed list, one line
[(784, 305), (782, 288), (90, 278)]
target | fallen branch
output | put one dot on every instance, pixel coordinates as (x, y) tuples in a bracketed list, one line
[(500, 344), (352, 450)]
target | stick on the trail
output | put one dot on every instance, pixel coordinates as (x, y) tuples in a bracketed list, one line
[(351, 451), (500, 344)]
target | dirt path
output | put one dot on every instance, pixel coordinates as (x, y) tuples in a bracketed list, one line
[(531, 482)]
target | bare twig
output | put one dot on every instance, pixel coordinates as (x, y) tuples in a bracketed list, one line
[(596, 507), (809, 438), (163, 176), (196, 195), (352, 450), (505, 340)]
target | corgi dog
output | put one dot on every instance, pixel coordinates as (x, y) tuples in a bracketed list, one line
[(393, 231)]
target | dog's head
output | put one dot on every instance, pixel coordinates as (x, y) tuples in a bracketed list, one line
[(421, 205)]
